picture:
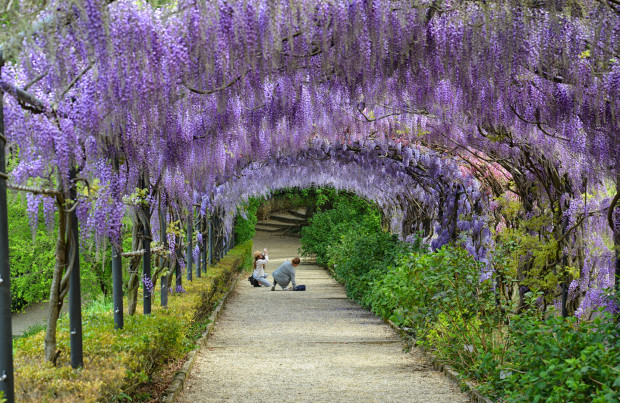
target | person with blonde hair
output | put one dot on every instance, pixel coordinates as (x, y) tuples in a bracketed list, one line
[(260, 259)]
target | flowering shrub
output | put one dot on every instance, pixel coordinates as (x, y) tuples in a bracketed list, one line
[(116, 361)]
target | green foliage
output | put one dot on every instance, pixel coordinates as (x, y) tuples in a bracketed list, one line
[(530, 247), (245, 228), (562, 360), (330, 226), (34, 329), (31, 260), (363, 254)]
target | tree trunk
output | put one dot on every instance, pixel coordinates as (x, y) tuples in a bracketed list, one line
[(134, 275), (56, 290)]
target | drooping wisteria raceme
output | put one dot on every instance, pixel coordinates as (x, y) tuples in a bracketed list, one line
[(195, 95)]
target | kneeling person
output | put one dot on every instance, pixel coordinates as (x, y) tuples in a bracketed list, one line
[(285, 274)]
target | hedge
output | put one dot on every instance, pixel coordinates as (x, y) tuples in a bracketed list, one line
[(116, 362)]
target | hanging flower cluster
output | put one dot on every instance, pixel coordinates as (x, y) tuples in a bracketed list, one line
[(390, 99)]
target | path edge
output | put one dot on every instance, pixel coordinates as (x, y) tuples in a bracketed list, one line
[(176, 386), (438, 365)]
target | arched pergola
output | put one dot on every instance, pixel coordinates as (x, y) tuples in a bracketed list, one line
[(187, 100)]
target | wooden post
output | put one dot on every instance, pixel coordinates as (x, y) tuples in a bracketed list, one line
[(6, 332)]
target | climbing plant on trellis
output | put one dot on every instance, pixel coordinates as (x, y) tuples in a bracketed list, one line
[(437, 110)]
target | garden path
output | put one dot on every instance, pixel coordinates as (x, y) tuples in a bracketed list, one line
[(33, 315), (312, 346)]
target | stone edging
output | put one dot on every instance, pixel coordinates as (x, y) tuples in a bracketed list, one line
[(447, 370), (176, 386)]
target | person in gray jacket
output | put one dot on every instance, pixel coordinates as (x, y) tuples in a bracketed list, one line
[(285, 274)]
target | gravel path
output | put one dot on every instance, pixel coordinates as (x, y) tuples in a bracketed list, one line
[(312, 346), (35, 314)]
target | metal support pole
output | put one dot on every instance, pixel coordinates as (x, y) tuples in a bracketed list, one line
[(75, 292), (204, 251), (199, 261), (564, 298), (203, 229), (164, 291), (616, 238), (117, 287), (222, 241), (177, 272), (6, 331), (165, 287), (223, 250), (189, 256), (210, 242)]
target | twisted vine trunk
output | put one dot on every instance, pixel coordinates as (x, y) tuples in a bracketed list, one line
[(134, 274), (60, 282)]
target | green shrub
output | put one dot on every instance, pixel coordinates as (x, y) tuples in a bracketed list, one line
[(439, 297), (328, 227), (245, 228), (31, 260), (363, 254), (562, 360), (442, 300)]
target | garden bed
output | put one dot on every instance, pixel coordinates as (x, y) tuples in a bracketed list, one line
[(118, 362)]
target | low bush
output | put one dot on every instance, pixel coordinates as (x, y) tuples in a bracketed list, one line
[(361, 256), (117, 361)]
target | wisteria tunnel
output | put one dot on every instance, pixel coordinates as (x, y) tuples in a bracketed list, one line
[(444, 113)]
